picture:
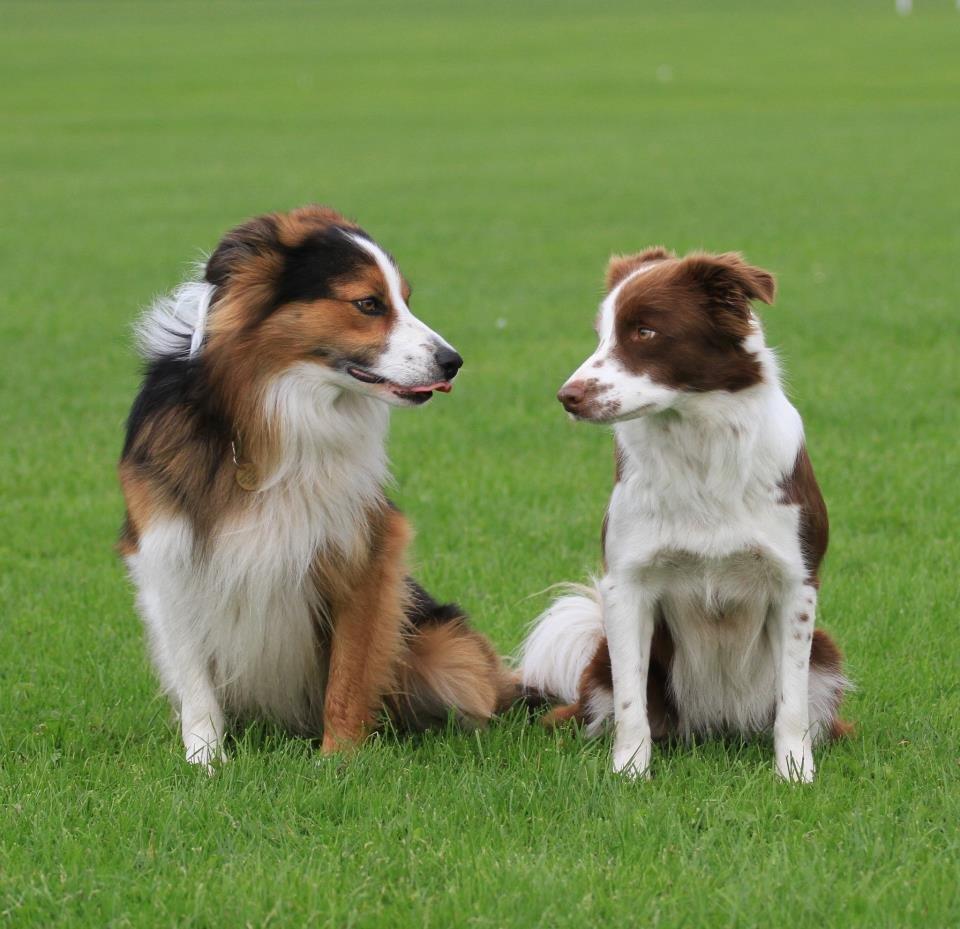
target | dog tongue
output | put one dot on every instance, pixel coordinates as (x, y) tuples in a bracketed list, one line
[(443, 386)]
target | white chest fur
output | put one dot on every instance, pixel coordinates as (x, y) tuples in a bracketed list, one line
[(242, 606)]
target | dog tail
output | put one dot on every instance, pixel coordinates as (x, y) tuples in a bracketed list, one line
[(448, 668), (562, 642)]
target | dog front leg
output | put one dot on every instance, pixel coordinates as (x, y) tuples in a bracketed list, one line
[(364, 648), (793, 745), (179, 660), (628, 614), (201, 719), (366, 641)]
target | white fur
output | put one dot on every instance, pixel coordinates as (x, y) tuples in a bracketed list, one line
[(231, 623), (409, 356), (698, 531), (562, 643), (176, 323)]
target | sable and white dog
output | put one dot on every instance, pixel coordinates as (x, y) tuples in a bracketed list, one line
[(704, 620), (269, 564)]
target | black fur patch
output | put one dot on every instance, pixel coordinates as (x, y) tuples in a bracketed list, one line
[(171, 382), (311, 268), (256, 236), (423, 610)]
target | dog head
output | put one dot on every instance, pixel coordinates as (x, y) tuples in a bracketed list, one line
[(669, 329), (310, 288)]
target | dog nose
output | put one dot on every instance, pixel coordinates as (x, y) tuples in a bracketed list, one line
[(448, 361), (571, 395)]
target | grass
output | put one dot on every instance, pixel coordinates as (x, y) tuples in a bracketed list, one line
[(502, 151)]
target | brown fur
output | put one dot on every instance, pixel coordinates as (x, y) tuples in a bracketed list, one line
[(825, 654), (696, 305), (366, 602), (802, 489), (449, 667), (622, 265)]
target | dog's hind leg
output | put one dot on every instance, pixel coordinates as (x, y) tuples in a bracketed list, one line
[(828, 684), (450, 668), (447, 667)]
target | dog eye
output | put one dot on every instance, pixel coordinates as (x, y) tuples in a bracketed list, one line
[(642, 334), (370, 306)]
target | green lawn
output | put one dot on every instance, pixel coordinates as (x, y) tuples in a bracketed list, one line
[(501, 151)]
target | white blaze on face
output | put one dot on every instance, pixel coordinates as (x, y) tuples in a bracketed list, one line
[(409, 357), (616, 387)]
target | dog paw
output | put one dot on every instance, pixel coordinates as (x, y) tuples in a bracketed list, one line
[(795, 762), (339, 746), (632, 759), (204, 752)]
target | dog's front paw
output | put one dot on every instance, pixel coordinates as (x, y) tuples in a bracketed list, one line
[(795, 761), (339, 745), (205, 751), (632, 758)]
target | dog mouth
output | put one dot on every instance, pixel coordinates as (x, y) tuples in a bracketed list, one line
[(412, 393)]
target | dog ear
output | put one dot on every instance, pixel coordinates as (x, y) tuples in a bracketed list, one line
[(254, 237), (729, 281), (622, 265)]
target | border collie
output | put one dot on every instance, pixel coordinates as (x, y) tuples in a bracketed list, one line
[(269, 565), (703, 622)]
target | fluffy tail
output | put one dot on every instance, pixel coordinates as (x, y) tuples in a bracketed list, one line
[(448, 668), (561, 644)]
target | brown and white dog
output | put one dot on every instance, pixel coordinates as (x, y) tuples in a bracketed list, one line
[(269, 565), (704, 620)]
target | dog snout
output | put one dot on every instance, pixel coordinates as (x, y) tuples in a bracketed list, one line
[(572, 395), (448, 361)]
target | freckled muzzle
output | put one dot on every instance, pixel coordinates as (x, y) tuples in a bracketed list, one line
[(586, 398)]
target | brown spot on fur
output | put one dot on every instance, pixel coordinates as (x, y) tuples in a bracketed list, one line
[(824, 653), (801, 488), (841, 729)]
